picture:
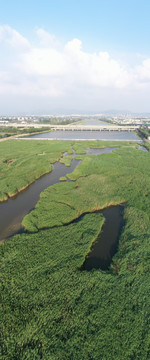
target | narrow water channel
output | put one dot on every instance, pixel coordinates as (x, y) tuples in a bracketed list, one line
[(142, 148), (106, 245), (13, 211), (98, 151)]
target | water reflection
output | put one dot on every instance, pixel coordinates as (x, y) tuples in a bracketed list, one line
[(106, 244), (142, 148), (13, 211), (98, 151), (87, 135)]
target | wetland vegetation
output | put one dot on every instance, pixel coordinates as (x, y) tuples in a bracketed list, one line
[(11, 131), (144, 132), (50, 309)]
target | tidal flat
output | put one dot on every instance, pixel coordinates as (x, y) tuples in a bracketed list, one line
[(50, 309)]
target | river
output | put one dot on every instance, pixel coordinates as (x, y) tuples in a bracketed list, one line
[(13, 211), (87, 135), (95, 122)]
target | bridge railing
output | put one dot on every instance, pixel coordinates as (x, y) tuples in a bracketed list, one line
[(94, 128)]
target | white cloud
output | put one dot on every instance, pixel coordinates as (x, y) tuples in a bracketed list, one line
[(143, 71), (13, 38), (46, 39), (46, 70), (73, 47), (48, 62)]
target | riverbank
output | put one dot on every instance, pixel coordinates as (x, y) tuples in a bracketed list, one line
[(14, 209), (21, 163)]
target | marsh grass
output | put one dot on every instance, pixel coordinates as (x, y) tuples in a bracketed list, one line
[(49, 308), (99, 181), (67, 160), (28, 164), (147, 145), (8, 131), (63, 178)]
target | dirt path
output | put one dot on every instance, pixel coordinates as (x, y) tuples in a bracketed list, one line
[(7, 138)]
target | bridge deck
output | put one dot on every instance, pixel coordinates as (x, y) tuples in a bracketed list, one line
[(93, 128)]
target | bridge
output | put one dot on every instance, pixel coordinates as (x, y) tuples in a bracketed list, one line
[(93, 128)]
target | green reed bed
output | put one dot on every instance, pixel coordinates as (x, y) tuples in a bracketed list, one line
[(50, 309), (147, 145), (99, 181), (67, 160), (24, 161), (6, 131)]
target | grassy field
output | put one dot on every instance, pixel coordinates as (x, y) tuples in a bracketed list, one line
[(50, 309)]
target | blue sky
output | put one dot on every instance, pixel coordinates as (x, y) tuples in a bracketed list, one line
[(98, 56), (112, 24)]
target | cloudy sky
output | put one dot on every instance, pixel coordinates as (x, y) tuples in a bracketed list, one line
[(74, 56)]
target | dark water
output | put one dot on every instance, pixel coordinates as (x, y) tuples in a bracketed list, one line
[(13, 211), (97, 151), (142, 148), (106, 244), (87, 135)]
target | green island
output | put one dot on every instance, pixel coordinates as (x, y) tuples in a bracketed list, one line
[(49, 308), (67, 160)]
